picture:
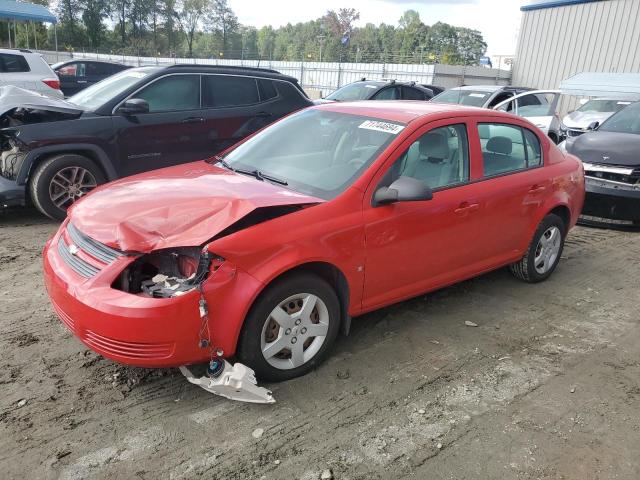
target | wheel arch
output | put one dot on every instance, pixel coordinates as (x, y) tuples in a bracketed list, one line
[(328, 272), (39, 155), (564, 213)]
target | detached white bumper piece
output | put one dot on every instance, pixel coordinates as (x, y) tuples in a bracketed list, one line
[(236, 382)]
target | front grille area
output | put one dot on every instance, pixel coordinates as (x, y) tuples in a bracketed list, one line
[(623, 175), (128, 349), (95, 255), (81, 267), (94, 248)]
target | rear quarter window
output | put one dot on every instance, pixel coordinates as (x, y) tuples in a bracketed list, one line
[(267, 90), (13, 63)]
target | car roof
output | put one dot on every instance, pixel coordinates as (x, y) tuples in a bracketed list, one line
[(404, 111), (232, 70), (17, 51), (489, 88), (88, 60)]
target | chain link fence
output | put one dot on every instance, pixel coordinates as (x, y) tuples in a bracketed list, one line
[(324, 77)]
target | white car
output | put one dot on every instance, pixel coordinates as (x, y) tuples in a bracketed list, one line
[(539, 107), (592, 111), (28, 70)]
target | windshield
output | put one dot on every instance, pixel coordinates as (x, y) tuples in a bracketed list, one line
[(463, 97), (626, 120), (354, 91), (599, 105), (97, 95), (316, 152)]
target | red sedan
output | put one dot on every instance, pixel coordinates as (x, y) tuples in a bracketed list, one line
[(265, 252)]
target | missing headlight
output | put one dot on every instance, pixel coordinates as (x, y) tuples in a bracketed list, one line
[(168, 273)]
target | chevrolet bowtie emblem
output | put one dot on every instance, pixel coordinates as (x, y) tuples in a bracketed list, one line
[(73, 250), (605, 158)]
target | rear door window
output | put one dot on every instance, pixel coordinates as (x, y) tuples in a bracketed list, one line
[(389, 93), (228, 91), (508, 148), (410, 93), (172, 93), (13, 63)]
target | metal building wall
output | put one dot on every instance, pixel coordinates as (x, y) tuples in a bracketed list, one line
[(557, 42)]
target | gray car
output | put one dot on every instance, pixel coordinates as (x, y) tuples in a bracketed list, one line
[(611, 162), (596, 110)]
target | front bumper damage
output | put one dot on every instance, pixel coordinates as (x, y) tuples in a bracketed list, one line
[(141, 330), (235, 382)]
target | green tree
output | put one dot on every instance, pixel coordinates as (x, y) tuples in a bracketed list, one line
[(93, 14), (190, 14), (266, 42), (223, 22)]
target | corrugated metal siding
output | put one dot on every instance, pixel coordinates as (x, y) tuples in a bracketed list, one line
[(555, 43)]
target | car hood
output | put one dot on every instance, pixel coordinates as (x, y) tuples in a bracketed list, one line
[(12, 98), (582, 120), (185, 205), (609, 148)]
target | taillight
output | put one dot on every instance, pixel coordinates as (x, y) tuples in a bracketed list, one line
[(52, 82)]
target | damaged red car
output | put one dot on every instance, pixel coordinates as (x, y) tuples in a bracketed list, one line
[(264, 253)]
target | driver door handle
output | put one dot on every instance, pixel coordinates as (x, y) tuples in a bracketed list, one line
[(264, 114), (467, 207), (193, 120)]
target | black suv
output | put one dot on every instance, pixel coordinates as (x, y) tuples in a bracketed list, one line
[(136, 120)]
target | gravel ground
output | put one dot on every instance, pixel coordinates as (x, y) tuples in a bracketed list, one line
[(547, 386)]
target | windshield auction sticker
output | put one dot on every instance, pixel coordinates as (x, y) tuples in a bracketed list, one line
[(382, 126)]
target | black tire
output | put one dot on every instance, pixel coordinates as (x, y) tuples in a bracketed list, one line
[(525, 269), (39, 185), (249, 345)]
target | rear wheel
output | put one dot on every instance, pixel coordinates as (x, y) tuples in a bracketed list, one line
[(290, 328), (544, 252), (61, 180)]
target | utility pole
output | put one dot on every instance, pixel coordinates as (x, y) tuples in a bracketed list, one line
[(321, 39)]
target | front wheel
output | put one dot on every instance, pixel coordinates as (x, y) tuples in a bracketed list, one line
[(61, 180), (544, 252), (290, 328)]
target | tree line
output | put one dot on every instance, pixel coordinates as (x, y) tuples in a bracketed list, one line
[(210, 29)]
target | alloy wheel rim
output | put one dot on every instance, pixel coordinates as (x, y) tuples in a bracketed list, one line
[(547, 250), (294, 331), (69, 184)]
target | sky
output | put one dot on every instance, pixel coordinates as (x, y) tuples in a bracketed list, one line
[(498, 20)]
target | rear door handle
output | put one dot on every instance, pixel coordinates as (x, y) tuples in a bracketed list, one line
[(537, 188), (467, 207), (81, 81), (264, 114), (193, 120)]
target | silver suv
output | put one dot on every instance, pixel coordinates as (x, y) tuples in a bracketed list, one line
[(28, 70)]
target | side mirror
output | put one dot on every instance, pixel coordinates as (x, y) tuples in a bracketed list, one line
[(404, 189), (593, 126), (134, 106)]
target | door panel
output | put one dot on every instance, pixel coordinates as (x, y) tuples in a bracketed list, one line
[(413, 247), (509, 199), (173, 132)]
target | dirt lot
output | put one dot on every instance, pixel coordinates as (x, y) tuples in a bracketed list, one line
[(546, 387)]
